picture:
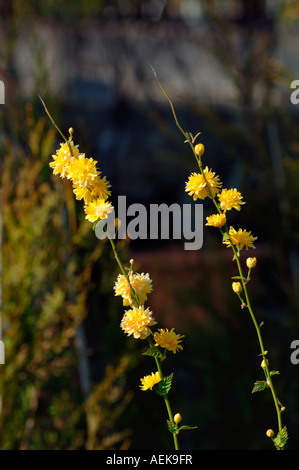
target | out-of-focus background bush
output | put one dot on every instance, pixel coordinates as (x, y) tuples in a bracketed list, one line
[(71, 377)]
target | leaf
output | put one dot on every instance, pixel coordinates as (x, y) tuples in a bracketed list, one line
[(259, 386), (172, 427), (225, 237), (281, 439), (163, 387), (274, 372), (154, 352), (181, 428)]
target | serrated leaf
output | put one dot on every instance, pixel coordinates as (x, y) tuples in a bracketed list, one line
[(163, 387), (172, 427), (259, 386), (281, 439), (153, 352)]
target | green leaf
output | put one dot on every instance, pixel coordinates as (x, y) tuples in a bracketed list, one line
[(225, 237), (274, 372), (198, 133), (172, 427), (163, 387), (181, 428), (259, 386), (238, 277), (281, 439), (154, 352)]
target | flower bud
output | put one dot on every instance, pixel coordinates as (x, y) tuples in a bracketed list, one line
[(117, 223), (71, 131), (237, 288), (263, 364), (177, 418), (251, 262), (199, 149), (270, 433)]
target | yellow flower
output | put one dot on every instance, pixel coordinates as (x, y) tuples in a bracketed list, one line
[(98, 209), (137, 321), (141, 284), (82, 171), (168, 339), (216, 220), (149, 381), (251, 262), (62, 158), (230, 199), (196, 185), (237, 287), (240, 238), (97, 189)]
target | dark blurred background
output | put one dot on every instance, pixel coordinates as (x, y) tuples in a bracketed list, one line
[(71, 377)]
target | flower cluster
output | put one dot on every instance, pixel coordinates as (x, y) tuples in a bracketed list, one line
[(87, 183), (207, 184), (138, 320), (133, 287)]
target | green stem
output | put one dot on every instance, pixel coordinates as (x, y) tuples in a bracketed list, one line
[(133, 293), (158, 363), (55, 125), (258, 331), (236, 257), (166, 399)]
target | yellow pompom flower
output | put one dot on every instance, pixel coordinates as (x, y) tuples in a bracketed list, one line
[(63, 157), (97, 209), (216, 220), (141, 283), (149, 381), (98, 189), (230, 199), (82, 171), (137, 322), (168, 339), (240, 239), (197, 187)]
